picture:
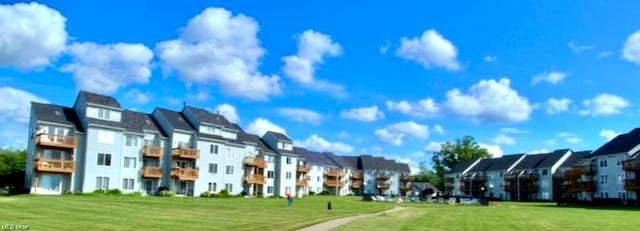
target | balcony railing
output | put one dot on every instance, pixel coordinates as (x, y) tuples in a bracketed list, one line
[(407, 178), (558, 176), (632, 184), (382, 176), (406, 186), (334, 183), (334, 173), (254, 179), (186, 153), (356, 184), (631, 165), (510, 177), (479, 178), (529, 188), (152, 151), (185, 173), (383, 185), (304, 168), (580, 170), (258, 162), (356, 175), (528, 177), (510, 188), (152, 172), (302, 182), (585, 186), (59, 141), (54, 165)]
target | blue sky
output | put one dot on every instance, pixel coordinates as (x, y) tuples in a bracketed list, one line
[(394, 79)]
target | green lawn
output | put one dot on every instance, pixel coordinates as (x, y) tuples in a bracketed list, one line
[(104, 212), (504, 216)]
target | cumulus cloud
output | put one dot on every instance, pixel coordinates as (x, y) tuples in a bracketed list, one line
[(15, 105), (229, 112), (106, 68), (260, 126), (317, 143), (433, 146), (494, 149), (631, 49), (137, 96), (578, 48), (504, 139), (489, 101), (554, 105), (603, 105), (365, 114), (608, 134), (219, 47), (33, 35), (571, 138), (438, 129), (313, 47), (553, 77), (301, 115), (430, 49), (423, 108), (538, 151), (393, 134)]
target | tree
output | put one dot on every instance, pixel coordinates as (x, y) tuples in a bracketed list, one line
[(12, 167), (426, 174), (451, 154)]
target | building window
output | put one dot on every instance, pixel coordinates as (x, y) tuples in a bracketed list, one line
[(104, 159), (104, 113), (127, 184), (318, 179), (228, 187), (130, 141), (544, 172), (213, 168), (102, 183), (288, 160), (129, 162), (213, 149), (270, 174), (604, 179), (603, 162), (212, 186), (270, 159), (500, 174), (619, 160), (620, 178), (318, 167), (269, 189), (229, 170), (288, 175), (105, 137)]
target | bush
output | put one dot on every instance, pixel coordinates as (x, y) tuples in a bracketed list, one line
[(114, 192), (205, 194), (99, 191), (311, 193), (325, 192), (165, 193), (223, 193)]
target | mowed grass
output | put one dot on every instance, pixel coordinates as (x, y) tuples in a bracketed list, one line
[(104, 212), (504, 216)]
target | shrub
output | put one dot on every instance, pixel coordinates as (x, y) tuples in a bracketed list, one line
[(114, 192), (223, 193), (325, 192), (311, 193), (99, 191), (165, 193), (205, 194)]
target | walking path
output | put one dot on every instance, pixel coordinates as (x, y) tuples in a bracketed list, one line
[(328, 225)]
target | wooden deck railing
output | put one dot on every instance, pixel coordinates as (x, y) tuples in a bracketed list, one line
[(304, 168), (152, 151), (356, 175), (632, 184), (407, 178), (631, 165), (54, 165), (185, 173), (254, 179), (334, 173), (258, 162), (334, 183), (186, 153), (152, 172), (59, 141)]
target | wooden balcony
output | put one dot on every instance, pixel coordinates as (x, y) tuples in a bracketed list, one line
[(580, 170), (258, 162), (334, 183), (585, 186), (632, 184), (383, 185), (510, 188), (184, 173), (357, 175), (529, 188), (54, 165), (631, 165), (334, 173), (383, 176), (528, 177), (510, 177), (57, 141), (186, 153), (406, 186), (356, 184), (254, 179), (152, 151), (448, 184), (152, 172), (302, 182), (558, 176), (304, 168), (405, 178), (479, 178)]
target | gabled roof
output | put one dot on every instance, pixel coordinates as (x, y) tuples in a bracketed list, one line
[(279, 136), (483, 165), (504, 163), (574, 158), (176, 119), (56, 114), (252, 139), (212, 118), (460, 167), (552, 158), (314, 158), (377, 163), (403, 167), (98, 99), (138, 122), (530, 162), (353, 161), (619, 144), (338, 160)]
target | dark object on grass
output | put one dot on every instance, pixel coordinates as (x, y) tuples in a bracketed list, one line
[(329, 205)]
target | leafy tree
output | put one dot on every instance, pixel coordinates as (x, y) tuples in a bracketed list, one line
[(451, 154), (426, 174), (12, 167)]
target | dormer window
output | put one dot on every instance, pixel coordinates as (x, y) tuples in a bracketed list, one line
[(104, 114)]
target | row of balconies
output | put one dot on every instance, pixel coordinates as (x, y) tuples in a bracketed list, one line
[(257, 162), (523, 177), (579, 170), (476, 178), (524, 188), (631, 165), (583, 186), (334, 173)]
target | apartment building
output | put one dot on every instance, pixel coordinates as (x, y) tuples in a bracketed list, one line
[(563, 179), (532, 178)]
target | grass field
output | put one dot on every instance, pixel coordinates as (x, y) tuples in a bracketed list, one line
[(104, 212)]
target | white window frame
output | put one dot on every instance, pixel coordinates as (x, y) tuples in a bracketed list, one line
[(127, 160), (229, 170), (104, 159)]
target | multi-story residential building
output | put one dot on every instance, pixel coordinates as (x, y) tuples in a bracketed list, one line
[(381, 176), (632, 179), (356, 177), (532, 178), (285, 162), (256, 168), (452, 179), (559, 181)]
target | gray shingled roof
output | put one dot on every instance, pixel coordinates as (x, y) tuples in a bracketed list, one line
[(254, 140), (378, 163), (56, 114), (460, 167), (619, 144), (107, 123), (98, 99), (553, 158), (342, 163), (574, 158), (176, 119), (139, 122), (212, 118), (403, 167), (279, 136), (530, 162), (315, 158), (503, 163), (353, 161), (483, 165)]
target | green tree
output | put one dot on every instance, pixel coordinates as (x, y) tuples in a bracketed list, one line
[(12, 167), (451, 154), (426, 174)]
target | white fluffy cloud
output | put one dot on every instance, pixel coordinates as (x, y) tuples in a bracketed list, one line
[(513, 131), (430, 49), (554, 105), (608, 134), (570, 137), (313, 47), (301, 115), (393, 134), (433, 146), (260, 126), (365, 114), (489, 101), (15, 105), (578, 48), (137, 96), (538, 151), (553, 77), (106, 68), (504, 139), (317, 143), (604, 105), (229, 112), (631, 49), (32, 35), (438, 129), (423, 108), (218, 47), (494, 149)]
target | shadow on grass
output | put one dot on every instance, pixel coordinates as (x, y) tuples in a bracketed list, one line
[(594, 207)]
